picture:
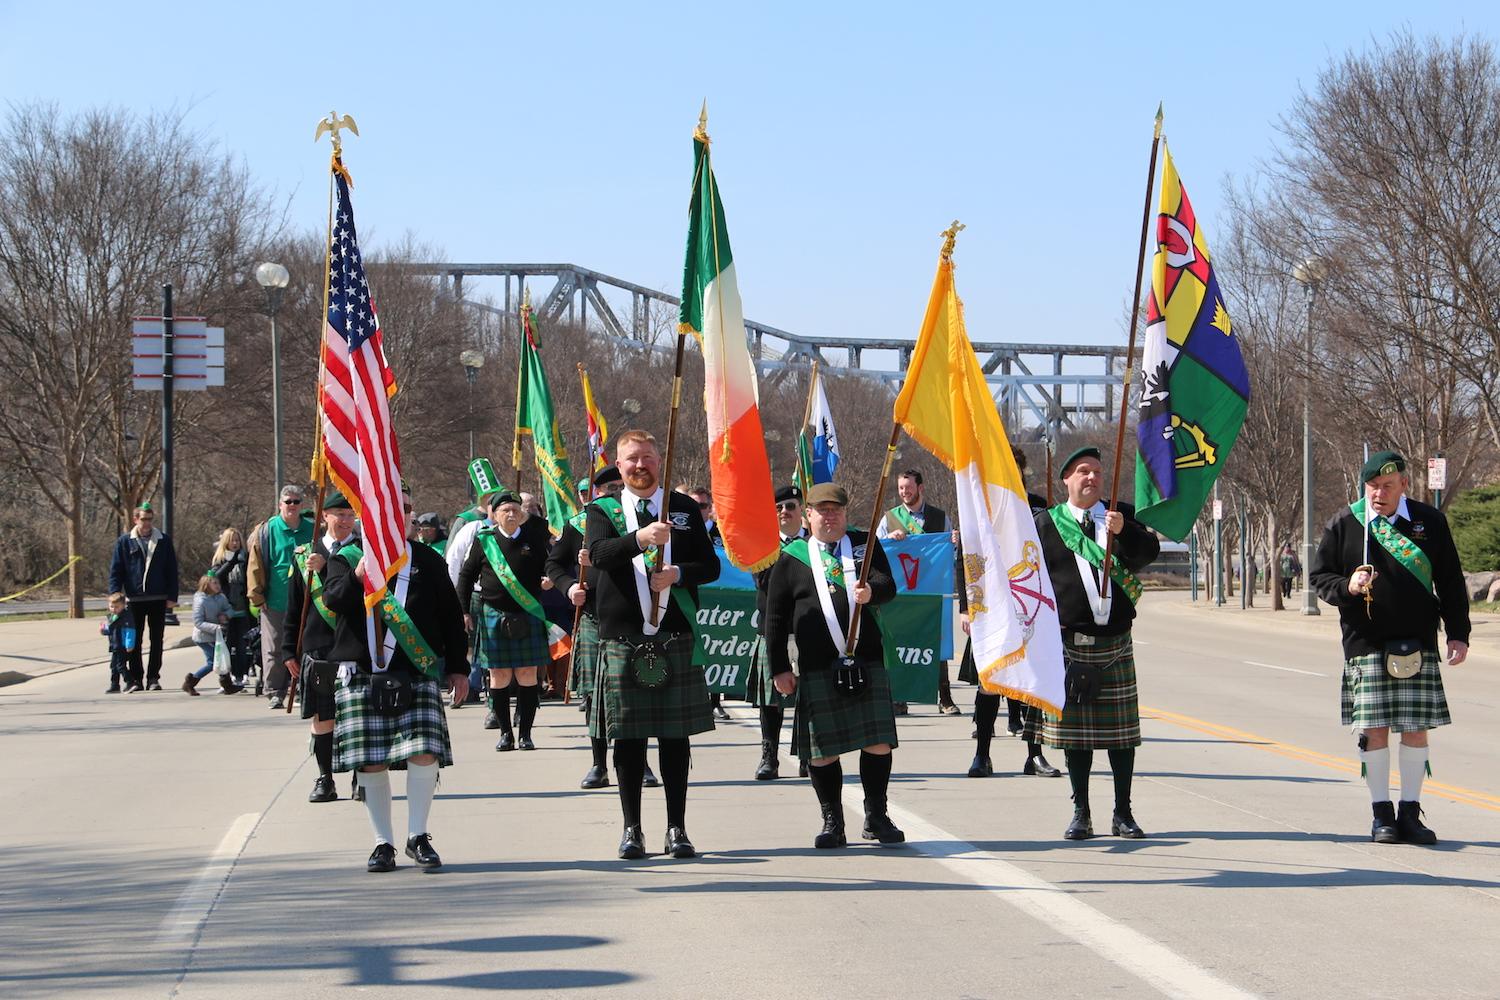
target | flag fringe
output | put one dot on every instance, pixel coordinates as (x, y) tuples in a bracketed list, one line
[(991, 686)]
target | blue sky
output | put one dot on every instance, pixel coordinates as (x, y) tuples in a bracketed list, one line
[(846, 136)]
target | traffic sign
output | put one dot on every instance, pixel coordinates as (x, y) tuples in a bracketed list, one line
[(197, 353), (1437, 473), (1218, 510)]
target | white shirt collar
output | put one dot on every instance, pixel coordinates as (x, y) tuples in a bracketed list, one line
[(636, 498), (334, 544), (1401, 511), (1097, 511)]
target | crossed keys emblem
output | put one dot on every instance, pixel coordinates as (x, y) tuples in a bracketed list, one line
[(1026, 588)]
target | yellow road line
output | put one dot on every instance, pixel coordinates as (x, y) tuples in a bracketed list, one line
[(1454, 793)]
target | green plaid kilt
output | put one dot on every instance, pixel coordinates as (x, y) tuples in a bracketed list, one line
[(1373, 699), (1112, 721), (361, 737), (495, 652), (585, 653), (623, 710), (828, 723), (759, 690)]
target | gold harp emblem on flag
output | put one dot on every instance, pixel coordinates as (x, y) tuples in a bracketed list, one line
[(1200, 450), (973, 573)]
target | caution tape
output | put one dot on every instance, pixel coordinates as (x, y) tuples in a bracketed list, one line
[(43, 583)]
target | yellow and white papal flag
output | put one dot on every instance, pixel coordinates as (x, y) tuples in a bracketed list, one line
[(946, 406)]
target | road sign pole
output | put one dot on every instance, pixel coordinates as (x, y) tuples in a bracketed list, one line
[(167, 367)]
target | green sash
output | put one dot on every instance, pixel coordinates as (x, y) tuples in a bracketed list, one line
[(1401, 548), (797, 549), (1080, 544), (299, 556), (394, 615), (903, 517), (490, 542), (685, 602), (468, 515), (578, 519)]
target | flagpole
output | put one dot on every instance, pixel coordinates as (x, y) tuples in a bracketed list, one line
[(582, 569), (812, 387), (319, 466), (1047, 447), (1135, 314), (515, 442), (666, 461)]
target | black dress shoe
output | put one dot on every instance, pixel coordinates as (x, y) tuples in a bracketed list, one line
[(1124, 825), (878, 826), (525, 744), (1409, 825), (632, 844), (649, 779), (832, 834), (323, 790), (382, 859), (678, 845), (1038, 766), (1383, 829), (769, 768), (1082, 827), (491, 720), (507, 742), (981, 768), (597, 777), (419, 849)]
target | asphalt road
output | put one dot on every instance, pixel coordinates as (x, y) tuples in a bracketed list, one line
[(162, 846)]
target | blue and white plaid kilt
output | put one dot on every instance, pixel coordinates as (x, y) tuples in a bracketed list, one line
[(361, 737), (495, 652), (1370, 698)]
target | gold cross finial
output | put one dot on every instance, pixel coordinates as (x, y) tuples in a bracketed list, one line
[(333, 124), (950, 235), (701, 132)]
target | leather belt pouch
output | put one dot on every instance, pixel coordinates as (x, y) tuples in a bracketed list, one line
[(1403, 658)]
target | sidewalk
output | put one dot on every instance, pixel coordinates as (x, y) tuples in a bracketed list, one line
[(33, 649)]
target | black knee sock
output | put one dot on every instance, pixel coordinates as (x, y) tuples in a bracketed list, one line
[(986, 711), (827, 781), (527, 700), (1122, 763), (323, 751), (1080, 762), (600, 749), (500, 705), (875, 776), (630, 768), (771, 717), (673, 755)]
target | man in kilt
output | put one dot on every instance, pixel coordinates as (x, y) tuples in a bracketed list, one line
[(1388, 563), (507, 560), (1102, 711), (760, 689), (461, 535), (646, 683), (843, 702), (390, 705), (315, 689), (567, 568)]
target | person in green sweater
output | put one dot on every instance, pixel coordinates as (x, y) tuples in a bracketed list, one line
[(272, 543)]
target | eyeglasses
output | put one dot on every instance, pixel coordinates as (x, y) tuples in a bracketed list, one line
[(294, 501), (787, 505)]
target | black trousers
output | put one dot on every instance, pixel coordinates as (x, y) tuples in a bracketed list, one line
[(150, 622)]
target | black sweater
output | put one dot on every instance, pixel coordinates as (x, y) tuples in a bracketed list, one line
[(562, 566), (793, 611), (431, 602), (526, 554), (612, 577), (317, 637), (1402, 609), (1135, 547)]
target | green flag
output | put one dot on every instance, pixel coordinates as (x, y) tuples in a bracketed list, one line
[(537, 419)]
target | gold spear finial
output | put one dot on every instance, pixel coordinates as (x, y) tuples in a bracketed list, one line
[(950, 235), (1159, 105), (526, 298), (333, 124), (701, 132)]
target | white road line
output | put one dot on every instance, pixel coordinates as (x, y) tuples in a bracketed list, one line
[(1153, 962), (180, 927), (1290, 670)]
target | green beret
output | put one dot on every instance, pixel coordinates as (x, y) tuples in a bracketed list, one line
[(583, 485), (333, 499), (608, 474), (1382, 463), (1087, 451), (504, 497)]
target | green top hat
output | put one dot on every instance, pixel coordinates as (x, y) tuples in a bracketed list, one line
[(482, 475)]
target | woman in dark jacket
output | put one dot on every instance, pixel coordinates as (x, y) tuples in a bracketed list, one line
[(231, 568)]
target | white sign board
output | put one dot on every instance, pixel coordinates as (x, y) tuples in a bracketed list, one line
[(1218, 510), (1437, 473), (197, 353)]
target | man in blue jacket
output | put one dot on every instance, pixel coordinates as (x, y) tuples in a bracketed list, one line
[(144, 569)]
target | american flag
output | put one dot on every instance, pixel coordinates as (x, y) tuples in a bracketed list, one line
[(359, 443)]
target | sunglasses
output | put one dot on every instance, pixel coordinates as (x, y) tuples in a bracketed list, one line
[(294, 501), (787, 505)]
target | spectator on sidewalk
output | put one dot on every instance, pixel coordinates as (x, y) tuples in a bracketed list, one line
[(231, 568), (123, 637), (144, 568), (272, 543), (210, 621)]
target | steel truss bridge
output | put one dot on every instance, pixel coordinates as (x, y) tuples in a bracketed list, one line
[(1051, 386)]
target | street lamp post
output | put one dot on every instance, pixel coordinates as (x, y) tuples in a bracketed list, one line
[(472, 361), (1310, 273), (273, 278)]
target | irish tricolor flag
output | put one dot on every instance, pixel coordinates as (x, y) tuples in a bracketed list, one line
[(946, 406), (740, 473)]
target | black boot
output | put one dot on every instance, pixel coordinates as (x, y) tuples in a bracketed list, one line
[(981, 768), (1123, 824), (1383, 830), (323, 790), (1082, 827), (833, 827), (878, 825), (1409, 825), (770, 763)]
